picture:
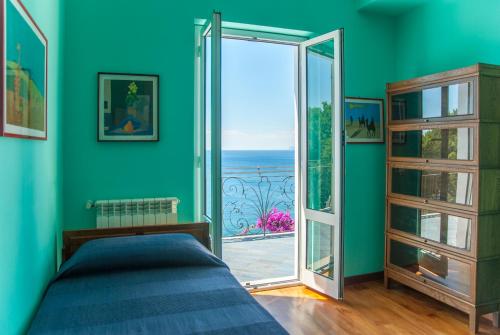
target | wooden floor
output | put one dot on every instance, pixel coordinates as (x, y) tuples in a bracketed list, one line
[(368, 308)]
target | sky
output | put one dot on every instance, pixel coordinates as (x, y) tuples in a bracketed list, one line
[(258, 95)]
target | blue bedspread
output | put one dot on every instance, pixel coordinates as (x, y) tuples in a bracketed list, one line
[(161, 284)]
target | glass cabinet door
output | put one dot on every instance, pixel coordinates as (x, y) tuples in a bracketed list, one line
[(447, 186), (452, 230), (434, 143), (431, 267), (445, 101)]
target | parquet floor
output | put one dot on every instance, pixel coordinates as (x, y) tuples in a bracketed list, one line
[(368, 309)]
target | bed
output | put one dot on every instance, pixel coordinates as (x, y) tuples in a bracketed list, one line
[(147, 281)]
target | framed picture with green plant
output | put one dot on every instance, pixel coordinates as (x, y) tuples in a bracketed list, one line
[(128, 107)]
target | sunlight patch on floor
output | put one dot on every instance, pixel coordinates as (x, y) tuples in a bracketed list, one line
[(294, 292)]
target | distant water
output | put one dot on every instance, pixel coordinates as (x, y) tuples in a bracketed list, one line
[(232, 158), (249, 190)]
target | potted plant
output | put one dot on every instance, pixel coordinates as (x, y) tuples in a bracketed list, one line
[(132, 98)]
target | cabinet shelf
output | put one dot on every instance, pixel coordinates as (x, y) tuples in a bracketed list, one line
[(443, 188)]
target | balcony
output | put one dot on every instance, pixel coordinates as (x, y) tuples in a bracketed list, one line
[(259, 221)]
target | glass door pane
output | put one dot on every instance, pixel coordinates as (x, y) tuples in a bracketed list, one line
[(434, 143), (447, 186), (319, 126), (439, 227), (320, 248), (321, 155), (436, 102), (431, 266)]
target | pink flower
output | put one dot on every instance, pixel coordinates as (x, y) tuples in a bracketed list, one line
[(277, 222)]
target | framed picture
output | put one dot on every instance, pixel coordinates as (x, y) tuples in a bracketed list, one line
[(128, 107), (23, 86), (364, 120)]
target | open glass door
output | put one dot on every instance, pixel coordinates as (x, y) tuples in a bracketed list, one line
[(211, 138), (322, 146)]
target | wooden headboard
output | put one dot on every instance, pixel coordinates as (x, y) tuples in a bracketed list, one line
[(73, 239)]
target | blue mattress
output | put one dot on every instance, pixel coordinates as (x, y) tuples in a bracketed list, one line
[(156, 284)]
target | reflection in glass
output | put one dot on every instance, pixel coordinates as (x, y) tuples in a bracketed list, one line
[(445, 101), (452, 187), (452, 143), (320, 248), (319, 126), (441, 269), (208, 132), (439, 227)]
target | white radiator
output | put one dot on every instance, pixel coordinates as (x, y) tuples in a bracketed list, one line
[(135, 212)]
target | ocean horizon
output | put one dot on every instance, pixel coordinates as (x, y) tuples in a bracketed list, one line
[(232, 158)]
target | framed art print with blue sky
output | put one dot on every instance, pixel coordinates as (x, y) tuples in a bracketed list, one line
[(24, 74), (364, 120), (128, 107)]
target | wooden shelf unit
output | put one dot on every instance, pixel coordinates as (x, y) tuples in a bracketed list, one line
[(443, 188)]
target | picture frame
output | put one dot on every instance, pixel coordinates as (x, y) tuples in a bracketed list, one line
[(128, 107), (24, 74), (364, 120)]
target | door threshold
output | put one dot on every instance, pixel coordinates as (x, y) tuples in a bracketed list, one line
[(273, 286)]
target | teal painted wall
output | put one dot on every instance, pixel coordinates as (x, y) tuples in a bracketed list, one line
[(456, 33), (388, 7), (158, 37), (31, 194)]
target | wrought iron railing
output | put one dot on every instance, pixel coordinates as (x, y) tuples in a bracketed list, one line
[(256, 195)]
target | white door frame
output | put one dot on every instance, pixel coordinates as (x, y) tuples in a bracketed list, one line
[(212, 27), (216, 138), (333, 288)]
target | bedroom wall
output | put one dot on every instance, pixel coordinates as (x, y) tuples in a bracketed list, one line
[(158, 37), (30, 194), (456, 33)]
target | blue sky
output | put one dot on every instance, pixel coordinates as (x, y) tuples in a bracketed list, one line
[(258, 95)]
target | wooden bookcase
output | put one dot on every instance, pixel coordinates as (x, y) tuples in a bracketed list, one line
[(443, 188)]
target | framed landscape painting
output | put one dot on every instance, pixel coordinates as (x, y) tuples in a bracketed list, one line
[(24, 74), (128, 107), (364, 120)]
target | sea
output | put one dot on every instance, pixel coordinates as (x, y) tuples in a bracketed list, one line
[(235, 158), (255, 182)]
